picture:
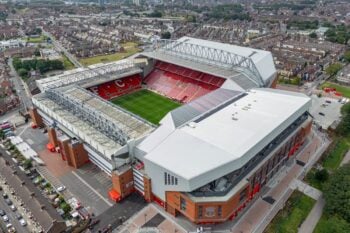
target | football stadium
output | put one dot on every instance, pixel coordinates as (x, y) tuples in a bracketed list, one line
[(195, 126)]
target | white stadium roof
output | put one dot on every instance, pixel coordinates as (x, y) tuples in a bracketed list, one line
[(224, 140), (262, 59), (247, 67)]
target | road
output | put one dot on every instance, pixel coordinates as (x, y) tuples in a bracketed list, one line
[(60, 48), (21, 88), (11, 215)]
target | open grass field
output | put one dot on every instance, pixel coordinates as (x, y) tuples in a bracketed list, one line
[(146, 104), (336, 155), (68, 65), (39, 39), (130, 49), (292, 215), (342, 89)]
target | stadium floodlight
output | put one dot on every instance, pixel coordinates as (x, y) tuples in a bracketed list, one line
[(211, 56)]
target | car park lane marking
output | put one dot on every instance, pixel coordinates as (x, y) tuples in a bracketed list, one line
[(89, 186)]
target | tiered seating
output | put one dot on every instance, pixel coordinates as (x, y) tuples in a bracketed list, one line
[(117, 87), (193, 74), (181, 83)]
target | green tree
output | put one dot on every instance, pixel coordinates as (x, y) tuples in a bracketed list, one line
[(37, 52), (322, 175), (65, 207), (166, 35), (23, 72), (27, 163), (337, 193), (333, 224), (313, 35), (333, 69), (347, 56)]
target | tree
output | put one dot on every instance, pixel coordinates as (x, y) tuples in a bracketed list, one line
[(333, 224), (333, 69), (23, 72), (347, 56), (322, 175), (65, 207), (337, 194), (313, 35), (166, 35), (27, 163), (37, 52)]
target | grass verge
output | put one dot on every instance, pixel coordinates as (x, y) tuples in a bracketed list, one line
[(129, 47), (342, 89), (292, 215)]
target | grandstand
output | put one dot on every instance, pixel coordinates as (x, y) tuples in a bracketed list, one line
[(188, 124)]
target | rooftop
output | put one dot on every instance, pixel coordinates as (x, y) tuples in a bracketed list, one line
[(98, 73), (130, 125), (233, 134), (220, 59)]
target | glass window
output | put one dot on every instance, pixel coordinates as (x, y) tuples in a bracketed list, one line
[(182, 204), (219, 210), (200, 211), (165, 178)]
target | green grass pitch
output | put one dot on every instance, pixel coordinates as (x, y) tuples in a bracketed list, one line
[(146, 104)]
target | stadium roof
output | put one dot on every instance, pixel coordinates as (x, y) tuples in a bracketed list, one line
[(67, 113), (224, 140), (98, 73), (223, 60), (201, 106)]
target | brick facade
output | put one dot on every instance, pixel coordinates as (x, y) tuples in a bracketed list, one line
[(123, 182), (215, 212), (36, 118), (77, 154)]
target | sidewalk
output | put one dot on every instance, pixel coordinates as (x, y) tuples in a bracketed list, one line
[(314, 216), (346, 159), (261, 213)]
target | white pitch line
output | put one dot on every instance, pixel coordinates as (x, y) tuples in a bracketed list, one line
[(98, 194)]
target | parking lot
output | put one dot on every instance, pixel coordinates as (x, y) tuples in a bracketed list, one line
[(10, 215), (88, 184), (325, 110)]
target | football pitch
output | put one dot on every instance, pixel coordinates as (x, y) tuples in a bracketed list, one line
[(146, 104)]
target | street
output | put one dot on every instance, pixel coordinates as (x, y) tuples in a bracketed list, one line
[(60, 48), (21, 88)]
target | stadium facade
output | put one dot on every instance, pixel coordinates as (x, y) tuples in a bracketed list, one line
[(208, 158)]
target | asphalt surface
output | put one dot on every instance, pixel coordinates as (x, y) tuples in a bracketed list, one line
[(44, 217), (60, 48), (20, 86), (120, 212), (11, 215), (89, 184)]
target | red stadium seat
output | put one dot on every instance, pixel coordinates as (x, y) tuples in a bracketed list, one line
[(181, 83), (117, 87)]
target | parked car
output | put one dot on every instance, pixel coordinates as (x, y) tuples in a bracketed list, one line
[(2, 212), (13, 207), (61, 189), (8, 225), (5, 196), (8, 201), (23, 222), (18, 216), (321, 113), (93, 223), (5, 218)]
